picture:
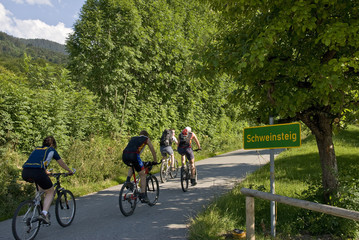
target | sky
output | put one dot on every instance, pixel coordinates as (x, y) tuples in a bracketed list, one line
[(44, 19)]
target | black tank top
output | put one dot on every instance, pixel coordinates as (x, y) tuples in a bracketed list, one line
[(136, 144)]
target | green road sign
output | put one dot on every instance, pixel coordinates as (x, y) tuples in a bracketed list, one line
[(272, 136)]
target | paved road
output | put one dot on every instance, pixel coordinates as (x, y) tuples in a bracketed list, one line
[(99, 217)]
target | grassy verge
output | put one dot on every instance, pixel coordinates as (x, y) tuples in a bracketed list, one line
[(297, 175)]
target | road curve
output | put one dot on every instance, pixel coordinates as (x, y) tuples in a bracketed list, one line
[(98, 215)]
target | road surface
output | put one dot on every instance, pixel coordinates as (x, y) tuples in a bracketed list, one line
[(98, 215)]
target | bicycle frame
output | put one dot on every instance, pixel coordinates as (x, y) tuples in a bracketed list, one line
[(186, 172), (26, 220), (57, 187), (130, 192), (137, 178)]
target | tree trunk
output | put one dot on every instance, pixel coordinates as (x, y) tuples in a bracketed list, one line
[(320, 124)]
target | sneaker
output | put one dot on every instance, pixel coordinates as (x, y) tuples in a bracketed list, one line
[(193, 182), (143, 197), (44, 218)]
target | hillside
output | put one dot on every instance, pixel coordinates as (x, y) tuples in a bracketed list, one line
[(36, 48)]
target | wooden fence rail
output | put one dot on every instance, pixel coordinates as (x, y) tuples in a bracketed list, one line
[(250, 194)]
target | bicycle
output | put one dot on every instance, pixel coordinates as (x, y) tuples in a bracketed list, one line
[(167, 170), (186, 171), (129, 193), (26, 223)]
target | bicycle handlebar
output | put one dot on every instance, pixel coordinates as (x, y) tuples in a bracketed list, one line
[(64, 174), (150, 164)]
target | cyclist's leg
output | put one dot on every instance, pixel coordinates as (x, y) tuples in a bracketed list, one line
[(193, 168), (49, 196), (143, 175), (129, 175), (190, 157), (172, 161), (44, 183), (140, 168), (163, 153), (183, 154), (128, 159), (183, 159), (172, 157)]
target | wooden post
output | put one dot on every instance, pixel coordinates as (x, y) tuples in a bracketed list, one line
[(250, 218)]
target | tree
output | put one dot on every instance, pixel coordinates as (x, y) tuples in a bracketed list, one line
[(297, 60), (139, 56)]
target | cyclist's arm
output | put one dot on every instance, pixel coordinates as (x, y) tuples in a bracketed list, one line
[(64, 166), (152, 149), (196, 140), (175, 140)]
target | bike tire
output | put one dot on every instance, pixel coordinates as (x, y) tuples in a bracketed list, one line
[(185, 177), (127, 200), (175, 171), (65, 208), (25, 223), (164, 170), (152, 189)]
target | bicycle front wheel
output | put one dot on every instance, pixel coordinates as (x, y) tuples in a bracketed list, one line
[(65, 208), (127, 199), (185, 177), (165, 165), (152, 189), (25, 222), (174, 170)]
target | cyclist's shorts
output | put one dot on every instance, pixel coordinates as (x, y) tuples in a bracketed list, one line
[(186, 151), (166, 150), (133, 159), (37, 175)]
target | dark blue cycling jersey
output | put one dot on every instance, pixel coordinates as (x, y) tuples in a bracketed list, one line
[(41, 157)]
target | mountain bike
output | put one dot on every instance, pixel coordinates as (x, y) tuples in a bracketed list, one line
[(26, 223), (186, 171), (129, 193), (167, 170)]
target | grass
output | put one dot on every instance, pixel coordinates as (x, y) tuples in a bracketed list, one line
[(297, 173)]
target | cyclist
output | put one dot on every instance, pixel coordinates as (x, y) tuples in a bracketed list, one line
[(34, 170), (168, 137), (131, 157), (185, 150)]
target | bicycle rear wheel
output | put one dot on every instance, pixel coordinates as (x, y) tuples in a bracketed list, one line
[(152, 189), (65, 208), (174, 171), (165, 165), (185, 177), (128, 199), (25, 223)]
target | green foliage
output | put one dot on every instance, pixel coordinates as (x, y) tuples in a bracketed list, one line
[(293, 60), (12, 47), (289, 58), (140, 58), (11, 192), (46, 103), (133, 65), (297, 176)]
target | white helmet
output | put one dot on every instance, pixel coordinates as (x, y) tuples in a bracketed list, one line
[(188, 129)]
